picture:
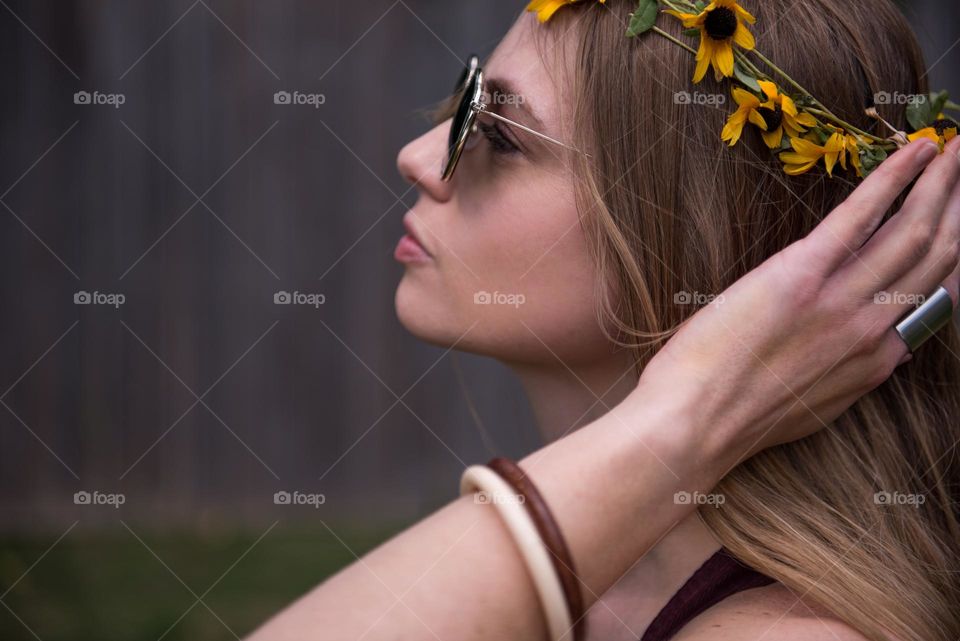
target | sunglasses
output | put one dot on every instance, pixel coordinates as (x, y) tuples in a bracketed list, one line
[(469, 92)]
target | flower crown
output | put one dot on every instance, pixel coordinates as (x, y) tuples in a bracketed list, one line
[(793, 124)]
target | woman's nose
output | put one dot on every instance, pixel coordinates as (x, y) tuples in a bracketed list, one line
[(421, 161)]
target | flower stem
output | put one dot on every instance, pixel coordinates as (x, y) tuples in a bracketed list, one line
[(820, 108), (674, 7), (844, 124), (783, 73), (746, 62), (674, 40)]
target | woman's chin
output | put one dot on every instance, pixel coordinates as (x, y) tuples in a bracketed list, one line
[(421, 314)]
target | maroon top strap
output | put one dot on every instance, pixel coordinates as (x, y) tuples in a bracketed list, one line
[(720, 576)]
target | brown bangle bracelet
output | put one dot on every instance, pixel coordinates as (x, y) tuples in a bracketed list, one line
[(549, 531)]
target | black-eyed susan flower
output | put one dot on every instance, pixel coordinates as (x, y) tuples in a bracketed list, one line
[(720, 28), (941, 131), (777, 115), (546, 8), (806, 154)]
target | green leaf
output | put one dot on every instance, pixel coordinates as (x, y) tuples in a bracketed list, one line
[(643, 19), (918, 113), (691, 32), (937, 102), (745, 77), (700, 5), (870, 159), (922, 113)]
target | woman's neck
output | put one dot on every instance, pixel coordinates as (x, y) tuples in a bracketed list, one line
[(566, 397)]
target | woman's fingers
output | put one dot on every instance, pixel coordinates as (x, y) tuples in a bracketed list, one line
[(844, 231), (951, 216), (915, 247)]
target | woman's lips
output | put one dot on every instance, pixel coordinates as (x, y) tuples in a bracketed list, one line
[(410, 249)]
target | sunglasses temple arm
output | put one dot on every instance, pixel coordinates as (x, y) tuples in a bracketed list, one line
[(527, 129)]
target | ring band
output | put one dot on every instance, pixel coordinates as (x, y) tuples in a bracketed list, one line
[(922, 323)]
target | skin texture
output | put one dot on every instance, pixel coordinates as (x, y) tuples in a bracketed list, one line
[(738, 378), (504, 223)]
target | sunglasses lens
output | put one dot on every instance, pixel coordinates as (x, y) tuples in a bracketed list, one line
[(464, 117)]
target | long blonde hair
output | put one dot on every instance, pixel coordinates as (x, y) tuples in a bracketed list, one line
[(670, 209)]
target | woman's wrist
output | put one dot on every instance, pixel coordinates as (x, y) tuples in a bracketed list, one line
[(625, 476), (703, 420)]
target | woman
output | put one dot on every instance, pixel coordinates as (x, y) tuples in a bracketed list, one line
[(772, 427)]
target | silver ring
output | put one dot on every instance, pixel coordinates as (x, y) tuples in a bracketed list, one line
[(921, 324)]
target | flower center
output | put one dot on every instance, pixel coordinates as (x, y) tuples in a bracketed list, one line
[(773, 117), (721, 23), (942, 125)]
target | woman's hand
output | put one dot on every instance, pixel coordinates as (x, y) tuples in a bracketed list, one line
[(798, 340)]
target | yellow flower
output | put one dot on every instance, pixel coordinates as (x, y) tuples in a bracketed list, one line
[(941, 131), (807, 153), (774, 117), (546, 8), (852, 148), (720, 27)]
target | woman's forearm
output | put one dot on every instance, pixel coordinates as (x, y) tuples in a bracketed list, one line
[(457, 573)]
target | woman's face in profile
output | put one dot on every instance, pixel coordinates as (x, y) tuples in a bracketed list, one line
[(508, 273)]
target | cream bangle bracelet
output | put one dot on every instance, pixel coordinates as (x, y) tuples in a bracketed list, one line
[(532, 549)]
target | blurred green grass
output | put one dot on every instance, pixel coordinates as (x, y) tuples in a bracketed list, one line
[(110, 587)]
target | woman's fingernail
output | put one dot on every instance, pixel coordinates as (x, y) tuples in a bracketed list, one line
[(928, 153)]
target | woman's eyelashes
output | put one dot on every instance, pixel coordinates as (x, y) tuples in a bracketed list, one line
[(499, 142)]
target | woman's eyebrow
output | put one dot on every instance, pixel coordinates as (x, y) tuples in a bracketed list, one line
[(510, 96)]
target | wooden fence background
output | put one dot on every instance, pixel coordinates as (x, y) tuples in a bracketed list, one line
[(197, 200)]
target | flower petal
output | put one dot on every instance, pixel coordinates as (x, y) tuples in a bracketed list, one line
[(788, 106), (703, 58), (807, 148), (796, 170), (689, 19), (546, 8), (773, 138), (744, 98), (794, 158), (757, 119), (744, 38), (927, 132), (734, 127), (769, 88), (723, 58), (743, 13)]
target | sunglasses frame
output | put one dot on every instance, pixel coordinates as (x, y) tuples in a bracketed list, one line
[(463, 123)]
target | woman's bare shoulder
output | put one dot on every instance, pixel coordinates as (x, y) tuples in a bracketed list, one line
[(772, 613)]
